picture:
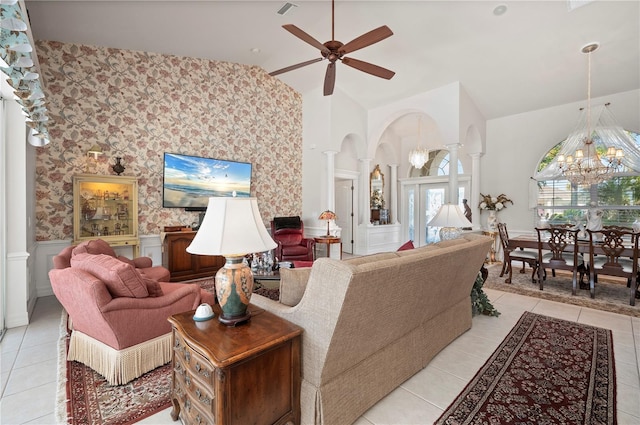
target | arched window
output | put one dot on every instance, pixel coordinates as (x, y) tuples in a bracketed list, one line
[(436, 165), (561, 202)]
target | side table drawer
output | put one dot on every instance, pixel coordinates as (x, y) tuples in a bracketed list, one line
[(193, 383)]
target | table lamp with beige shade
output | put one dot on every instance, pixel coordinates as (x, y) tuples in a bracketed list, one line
[(232, 227)]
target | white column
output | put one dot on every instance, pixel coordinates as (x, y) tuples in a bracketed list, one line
[(365, 199), (393, 193), (17, 255), (474, 200), (453, 173), (331, 180)]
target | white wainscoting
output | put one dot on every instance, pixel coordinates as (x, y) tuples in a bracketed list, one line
[(150, 246), (382, 238)]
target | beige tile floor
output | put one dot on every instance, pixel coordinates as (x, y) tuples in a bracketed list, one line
[(29, 365)]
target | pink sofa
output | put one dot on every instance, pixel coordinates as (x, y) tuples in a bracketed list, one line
[(119, 315)]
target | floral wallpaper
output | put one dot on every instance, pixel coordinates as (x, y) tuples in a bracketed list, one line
[(138, 105)]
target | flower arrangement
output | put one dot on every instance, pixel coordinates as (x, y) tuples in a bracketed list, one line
[(492, 203)]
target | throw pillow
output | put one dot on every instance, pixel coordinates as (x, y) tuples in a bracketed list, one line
[(95, 246), (406, 246), (121, 279), (153, 287)]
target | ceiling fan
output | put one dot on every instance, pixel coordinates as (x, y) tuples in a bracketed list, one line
[(334, 50)]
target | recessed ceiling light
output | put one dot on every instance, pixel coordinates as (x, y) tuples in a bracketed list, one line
[(500, 9), (255, 50), (287, 6)]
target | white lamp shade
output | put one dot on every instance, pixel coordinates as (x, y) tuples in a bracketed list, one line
[(231, 227), (449, 215)]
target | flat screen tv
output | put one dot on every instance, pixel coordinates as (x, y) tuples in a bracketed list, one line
[(189, 181)]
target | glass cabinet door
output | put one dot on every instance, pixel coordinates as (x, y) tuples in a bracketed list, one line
[(105, 207)]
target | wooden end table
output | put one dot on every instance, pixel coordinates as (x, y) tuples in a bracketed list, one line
[(247, 374), (328, 240)]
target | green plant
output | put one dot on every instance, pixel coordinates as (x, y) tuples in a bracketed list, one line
[(480, 303)]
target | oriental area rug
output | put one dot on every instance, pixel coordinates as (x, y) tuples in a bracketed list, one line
[(611, 294), (546, 371), (85, 398)]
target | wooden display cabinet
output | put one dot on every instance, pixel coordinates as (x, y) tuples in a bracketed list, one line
[(183, 265), (106, 207)]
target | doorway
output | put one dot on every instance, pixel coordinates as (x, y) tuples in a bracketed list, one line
[(346, 195), (421, 201)]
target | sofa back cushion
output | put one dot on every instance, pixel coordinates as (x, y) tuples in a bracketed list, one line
[(374, 302), (121, 279), (95, 246)]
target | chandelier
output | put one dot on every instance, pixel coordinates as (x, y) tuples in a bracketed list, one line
[(418, 156), (585, 166)]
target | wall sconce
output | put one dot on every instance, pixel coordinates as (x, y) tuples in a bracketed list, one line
[(95, 151)]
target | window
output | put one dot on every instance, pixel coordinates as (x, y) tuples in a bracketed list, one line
[(560, 202)]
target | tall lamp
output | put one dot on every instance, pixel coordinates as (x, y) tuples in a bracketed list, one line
[(327, 215), (232, 227), (450, 219)]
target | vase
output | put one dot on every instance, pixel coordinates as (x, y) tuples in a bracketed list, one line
[(492, 221), (118, 167)]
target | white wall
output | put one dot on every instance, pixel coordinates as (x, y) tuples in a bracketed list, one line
[(515, 145)]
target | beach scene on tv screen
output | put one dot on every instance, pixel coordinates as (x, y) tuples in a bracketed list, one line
[(189, 181)]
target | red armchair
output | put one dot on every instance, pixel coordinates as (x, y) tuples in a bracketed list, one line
[(288, 232)]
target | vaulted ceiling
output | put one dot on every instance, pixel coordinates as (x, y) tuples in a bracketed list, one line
[(525, 59)]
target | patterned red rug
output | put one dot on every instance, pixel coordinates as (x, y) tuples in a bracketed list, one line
[(85, 397), (546, 371)]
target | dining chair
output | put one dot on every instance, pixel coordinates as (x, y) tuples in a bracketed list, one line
[(558, 250), (511, 253), (613, 251)]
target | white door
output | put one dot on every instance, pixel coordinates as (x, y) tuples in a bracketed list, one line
[(344, 211), (422, 202)]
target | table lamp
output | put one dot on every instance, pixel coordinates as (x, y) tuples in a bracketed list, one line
[(232, 227), (327, 215), (450, 219)]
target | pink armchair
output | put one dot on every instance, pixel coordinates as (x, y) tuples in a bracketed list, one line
[(288, 232), (119, 316), (98, 246)]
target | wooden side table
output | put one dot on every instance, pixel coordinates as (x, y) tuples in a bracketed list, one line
[(247, 374), (328, 240)]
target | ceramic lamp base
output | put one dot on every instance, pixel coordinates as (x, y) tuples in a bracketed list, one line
[(234, 286)]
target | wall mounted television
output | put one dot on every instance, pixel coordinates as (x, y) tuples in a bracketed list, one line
[(189, 181)]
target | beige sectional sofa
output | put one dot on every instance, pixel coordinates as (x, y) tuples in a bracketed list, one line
[(372, 322)]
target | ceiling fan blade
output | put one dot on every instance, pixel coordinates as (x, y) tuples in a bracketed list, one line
[(296, 66), (369, 68), (330, 79), (305, 37), (367, 39)]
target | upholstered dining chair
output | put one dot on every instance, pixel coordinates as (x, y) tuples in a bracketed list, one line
[(511, 253), (558, 250), (288, 232), (613, 251)]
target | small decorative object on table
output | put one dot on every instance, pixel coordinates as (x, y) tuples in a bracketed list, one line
[(493, 204), (118, 167)]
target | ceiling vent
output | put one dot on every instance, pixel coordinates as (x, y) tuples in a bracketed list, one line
[(286, 8)]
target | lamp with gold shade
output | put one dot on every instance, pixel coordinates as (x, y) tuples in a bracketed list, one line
[(232, 227), (327, 215)]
